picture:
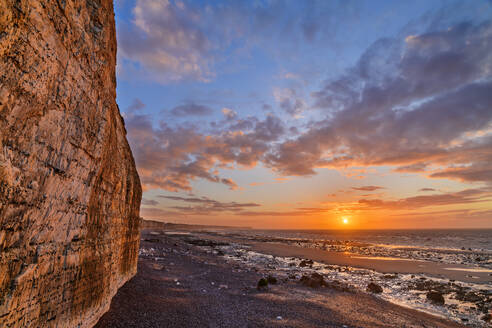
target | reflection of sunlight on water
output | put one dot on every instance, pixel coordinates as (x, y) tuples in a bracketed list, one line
[(469, 269), (386, 258)]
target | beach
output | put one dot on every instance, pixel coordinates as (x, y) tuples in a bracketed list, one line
[(203, 279)]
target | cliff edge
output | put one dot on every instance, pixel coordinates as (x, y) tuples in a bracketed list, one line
[(69, 190)]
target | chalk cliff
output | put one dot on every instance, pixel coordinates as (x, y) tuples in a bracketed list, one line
[(69, 190)]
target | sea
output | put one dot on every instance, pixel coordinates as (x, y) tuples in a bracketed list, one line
[(453, 239), (453, 246)]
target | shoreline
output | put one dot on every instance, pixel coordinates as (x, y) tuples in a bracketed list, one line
[(453, 271), (440, 270), (183, 282)]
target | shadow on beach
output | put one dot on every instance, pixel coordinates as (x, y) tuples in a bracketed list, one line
[(178, 284)]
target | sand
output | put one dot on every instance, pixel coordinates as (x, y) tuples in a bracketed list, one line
[(181, 285)]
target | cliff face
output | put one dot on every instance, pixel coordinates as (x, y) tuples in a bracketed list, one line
[(69, 191)]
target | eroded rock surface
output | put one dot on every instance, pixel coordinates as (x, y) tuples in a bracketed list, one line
[(69, 191)]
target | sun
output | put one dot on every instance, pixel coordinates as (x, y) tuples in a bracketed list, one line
[(345, 220)]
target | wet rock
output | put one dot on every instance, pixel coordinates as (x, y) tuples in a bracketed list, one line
[(374, 288), (429, 285), (152, 240), (210, 243), (262, 284), (271, 279), (468, 297), (314, 281), (305, 263), (487, 317), (435, 297), (390, 276)]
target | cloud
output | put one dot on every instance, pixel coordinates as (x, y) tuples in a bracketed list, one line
[(412, 168), (171, 157), (165, 42), (367, 188), (135, 106), (204, 205), (475, 172), (270, 129), (212, 202), (191, 110), (155, 212), (466, 196), (419, 103), (427, 189), (197, 206), (169, 41), (463, 216), (229, 114), (411, 104), (290, 76), (290, 100), (149, 202), (296, 212)]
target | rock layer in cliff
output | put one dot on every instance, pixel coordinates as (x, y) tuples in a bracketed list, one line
[(69, 190)]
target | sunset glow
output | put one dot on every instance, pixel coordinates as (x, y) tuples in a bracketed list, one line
[(290, 116), (236, 163)]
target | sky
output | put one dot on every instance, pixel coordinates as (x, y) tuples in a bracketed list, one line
[(309, 114)]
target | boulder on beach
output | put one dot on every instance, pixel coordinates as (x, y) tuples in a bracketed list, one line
[(374, 288), (314, 281), (471, 297), (390, 276), (271, 279), (262, 284), (209, 243), (305, 263), (435, 297)]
